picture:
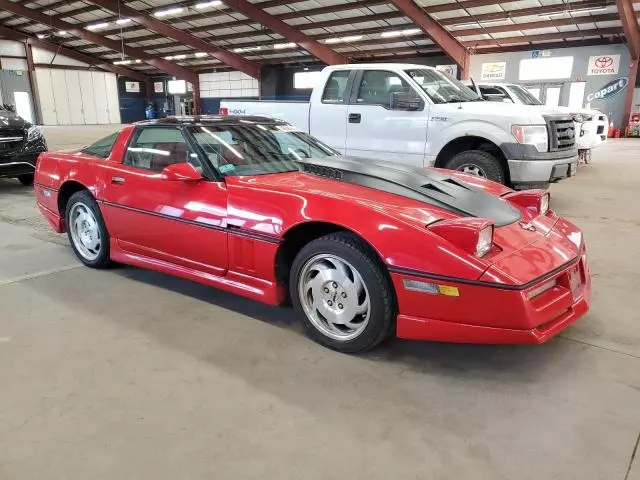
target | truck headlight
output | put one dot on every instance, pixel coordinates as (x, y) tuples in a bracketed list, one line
[(33, 133), (535, 135), (581, 117)]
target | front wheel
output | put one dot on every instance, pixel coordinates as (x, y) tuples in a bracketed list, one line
[(86, 230), (341, 288), (479, 163)]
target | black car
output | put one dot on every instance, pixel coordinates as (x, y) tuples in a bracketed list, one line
[(20, 145)]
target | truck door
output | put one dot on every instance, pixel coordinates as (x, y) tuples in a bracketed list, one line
[(375, 129), (328, 113)]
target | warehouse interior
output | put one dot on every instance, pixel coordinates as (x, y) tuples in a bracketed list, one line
[(127, 372)]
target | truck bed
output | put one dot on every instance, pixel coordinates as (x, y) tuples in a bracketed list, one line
[(293, 112)]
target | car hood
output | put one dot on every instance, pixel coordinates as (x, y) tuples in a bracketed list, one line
[(11, 121), (517, 112)]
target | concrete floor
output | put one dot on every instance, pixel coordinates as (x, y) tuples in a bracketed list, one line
[(129, 374)]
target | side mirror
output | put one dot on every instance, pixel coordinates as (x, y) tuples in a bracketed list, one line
[(406, 101), (181, 172)]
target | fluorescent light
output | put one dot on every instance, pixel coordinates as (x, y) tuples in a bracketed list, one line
[(42, 35), (180, 57), (62, 32), (351, 38), (138, 61), (122, 62), (478, 24), (97, 26), (246, 49), (123, 21), (201, 54), (169, 11), (280, 46), (400, 33), (568, 11), (214, 3)]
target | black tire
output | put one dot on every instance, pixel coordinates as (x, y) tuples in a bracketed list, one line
[(85, 198), (26, 179), (351, 249), (488, 164)]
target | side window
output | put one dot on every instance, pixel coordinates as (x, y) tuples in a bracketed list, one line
[(102, 148), (335, 87), (376, 87), (154, 148)]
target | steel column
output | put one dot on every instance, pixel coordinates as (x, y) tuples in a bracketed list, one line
[(31, 71), (628, 102), (630, 27)]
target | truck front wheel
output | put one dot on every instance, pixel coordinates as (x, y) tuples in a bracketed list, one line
[(478, 163)]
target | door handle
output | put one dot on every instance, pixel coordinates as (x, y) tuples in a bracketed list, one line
[(117, 180), (355, 118)]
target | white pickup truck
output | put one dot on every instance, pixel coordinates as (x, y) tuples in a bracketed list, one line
[(416, 115), (591, 125)]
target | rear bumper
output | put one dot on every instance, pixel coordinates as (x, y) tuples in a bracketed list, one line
[(482, 314)]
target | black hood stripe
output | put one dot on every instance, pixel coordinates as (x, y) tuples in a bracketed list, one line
[(421, 184)]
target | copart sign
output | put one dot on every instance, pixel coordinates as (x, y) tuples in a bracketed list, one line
[(603, 65), (609, 90)]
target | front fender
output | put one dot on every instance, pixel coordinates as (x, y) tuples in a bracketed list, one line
[(465, 128)]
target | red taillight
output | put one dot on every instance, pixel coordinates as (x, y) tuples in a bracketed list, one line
[(536, 201), (224, 111), (474, 235)]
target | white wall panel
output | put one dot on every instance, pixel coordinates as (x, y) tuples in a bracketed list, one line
[(9, 47), (88, 100), (75, 99), (61, 97), (44, 56), (13, 63), (100, 96), (113, 104), (45, 94)]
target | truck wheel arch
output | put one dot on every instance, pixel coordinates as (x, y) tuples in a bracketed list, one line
[(472, 142)]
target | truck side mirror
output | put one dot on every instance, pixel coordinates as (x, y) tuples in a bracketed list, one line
[(409, 101)]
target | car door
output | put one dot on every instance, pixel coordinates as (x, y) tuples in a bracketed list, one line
[(328, 116), (375, 130), (174, 221)]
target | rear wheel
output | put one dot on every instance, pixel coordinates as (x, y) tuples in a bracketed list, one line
[(342, 290), (86, 230), (26, 179), (478, 163)]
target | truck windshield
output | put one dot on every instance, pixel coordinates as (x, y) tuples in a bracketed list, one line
[(257, 149), (523, 95), (441, 88)]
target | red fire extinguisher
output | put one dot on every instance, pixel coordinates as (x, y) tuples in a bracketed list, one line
[(611, 130), (617, 133)]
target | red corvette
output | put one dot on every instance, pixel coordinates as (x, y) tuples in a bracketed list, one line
[(364, 249)]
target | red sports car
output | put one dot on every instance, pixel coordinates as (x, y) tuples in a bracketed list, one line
[(364, 249)]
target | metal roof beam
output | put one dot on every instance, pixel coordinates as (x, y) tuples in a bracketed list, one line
[(81, 57), (442, 37), (77, 30), (312, 46), (630, 27), (225, 56)]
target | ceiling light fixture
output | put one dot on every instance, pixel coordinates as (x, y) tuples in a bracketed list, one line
[(400, 33), (479, 24), (169, 11), (214, 3), (123, 21), (246, 49), (280, 46), (62, 32), (351, 38), (568, 11), (201, 54), (97, 26), (180, 57), (42, 35), (122, 62)]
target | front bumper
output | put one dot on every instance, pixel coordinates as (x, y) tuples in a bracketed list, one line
[(540, 172), (492, 315), (18, 164)]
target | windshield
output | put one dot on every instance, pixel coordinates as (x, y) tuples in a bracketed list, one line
[(523, 95), (441, 88), (255, 149)]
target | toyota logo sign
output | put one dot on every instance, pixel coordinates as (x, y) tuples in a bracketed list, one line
[(604, 65)]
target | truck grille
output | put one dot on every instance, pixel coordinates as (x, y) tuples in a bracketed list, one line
[(562, 134), (11, 141)]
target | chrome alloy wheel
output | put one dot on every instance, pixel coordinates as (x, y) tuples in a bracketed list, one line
[(471, 169), (334, 297), (85, 232)]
